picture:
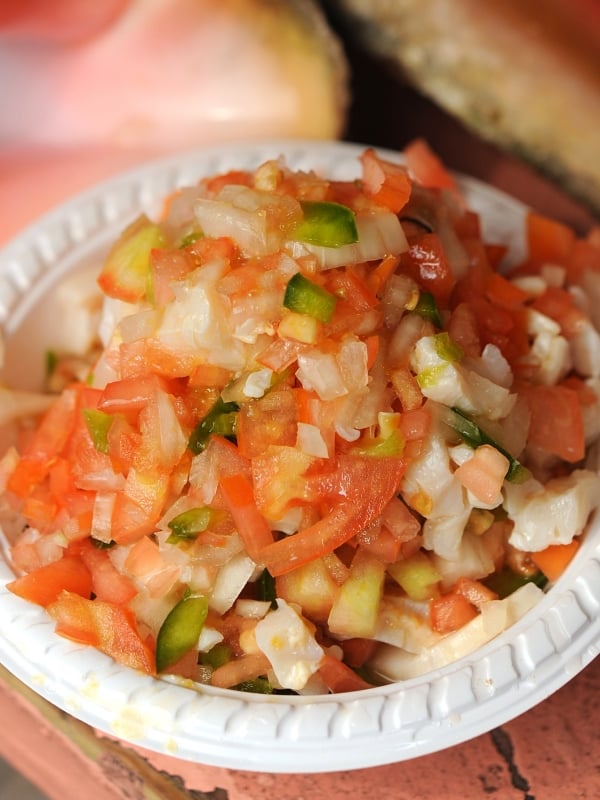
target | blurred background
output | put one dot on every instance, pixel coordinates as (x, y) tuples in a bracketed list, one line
[(506, 91)]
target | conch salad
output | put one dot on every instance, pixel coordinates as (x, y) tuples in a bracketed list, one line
[(325, 442)]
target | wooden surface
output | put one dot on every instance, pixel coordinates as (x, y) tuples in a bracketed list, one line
[(549, 753)]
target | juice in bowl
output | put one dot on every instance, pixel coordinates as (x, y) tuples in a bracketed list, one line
[(335, 432)]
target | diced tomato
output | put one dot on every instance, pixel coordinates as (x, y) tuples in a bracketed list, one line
[(407, 388), (553, 560), (43, 585), (166, 267), (474, 591), (464, 330), (279, 480), (558, 304), (425, 261), (107, 582), (354, 513), (352, 287), (450, 612), (415, 423), (556, 421), (46, 444), (338, 677), (548, 240), (358, 651), (210, 375), (269, 420), (245, 668), (129, 520), (143, 558), (379, 542), (584, 257), (426, 166), (110, 628), (129, 395), (387, 183), (399, 520), (500, 291), (379, 276), (251, 525)]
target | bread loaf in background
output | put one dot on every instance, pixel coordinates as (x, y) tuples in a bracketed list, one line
[(522, 75)]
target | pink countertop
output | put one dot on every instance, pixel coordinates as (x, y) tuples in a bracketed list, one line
[(548, 753)]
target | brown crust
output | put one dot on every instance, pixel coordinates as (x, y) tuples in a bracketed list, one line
[(524, 76)]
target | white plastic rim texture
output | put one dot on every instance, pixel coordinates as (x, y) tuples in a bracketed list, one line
[(278, 734)]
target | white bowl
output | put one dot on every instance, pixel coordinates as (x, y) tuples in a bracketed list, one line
[(509, 675)]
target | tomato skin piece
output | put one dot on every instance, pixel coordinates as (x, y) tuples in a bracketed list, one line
[(362, 486), (106, 626), (43, 585), (250, 523)]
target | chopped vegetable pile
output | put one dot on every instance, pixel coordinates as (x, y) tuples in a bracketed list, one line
[(327, 442)]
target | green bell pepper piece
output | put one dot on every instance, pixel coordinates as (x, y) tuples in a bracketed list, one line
[(98, 424), (473, 435), (305, 297), (187, 525), (427, 308), (221, 419), (326, 224), (180, 630)]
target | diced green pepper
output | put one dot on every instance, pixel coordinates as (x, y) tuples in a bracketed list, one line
[(221, 419), (392, 445), (188, 524), (100, 545), (305, 297), (507, 581), (98, 424), (473, 435), (256, 686), (180, 630), (190, 238), (218, 655), (265, 587), (446, 348), (431, 376), (417, 575), (51, 362), (326, 224), (427, 308)]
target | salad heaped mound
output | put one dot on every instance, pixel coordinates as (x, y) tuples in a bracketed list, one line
[(326, 443)]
